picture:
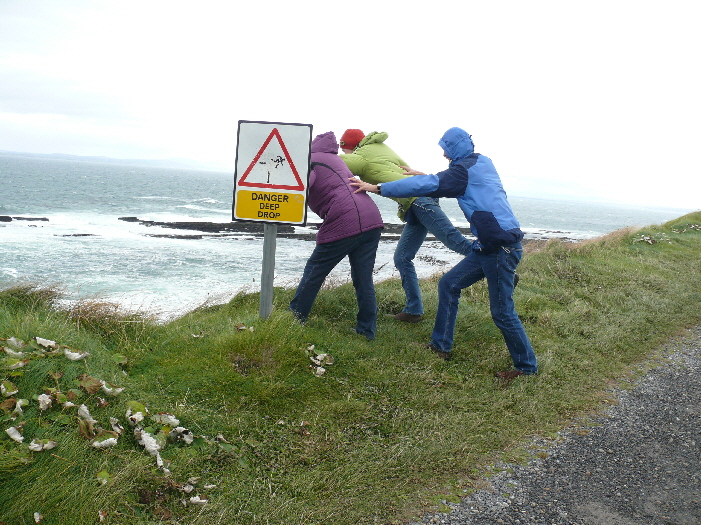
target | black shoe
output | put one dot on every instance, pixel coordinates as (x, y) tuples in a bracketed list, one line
[(408, 318), (508, 375), (446, 356), (368, 337)]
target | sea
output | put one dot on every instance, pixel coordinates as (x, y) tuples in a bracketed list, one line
[(66, 232)]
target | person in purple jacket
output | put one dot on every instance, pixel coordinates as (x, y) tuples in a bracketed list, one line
[(351, 227)]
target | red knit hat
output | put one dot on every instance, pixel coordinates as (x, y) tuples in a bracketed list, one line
[(351, 138)]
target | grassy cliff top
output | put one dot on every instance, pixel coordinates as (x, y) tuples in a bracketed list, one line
[(221, 417)]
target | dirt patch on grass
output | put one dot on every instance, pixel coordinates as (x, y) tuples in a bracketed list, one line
[(246, 365)]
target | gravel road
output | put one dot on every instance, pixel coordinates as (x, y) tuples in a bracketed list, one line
[(638, 463)]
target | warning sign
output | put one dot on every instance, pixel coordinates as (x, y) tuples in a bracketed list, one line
[(272, 167), (272, 171), (279, 207)]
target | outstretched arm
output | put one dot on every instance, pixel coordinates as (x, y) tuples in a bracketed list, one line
[(421, 185), (363, 186), (373, 188), (409, 171)]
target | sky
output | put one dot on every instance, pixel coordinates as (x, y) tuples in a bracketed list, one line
[(596, 100)]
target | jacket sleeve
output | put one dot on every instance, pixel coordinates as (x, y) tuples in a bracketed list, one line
[(452, 182), (416, 186), (449, 183), (355, 163)]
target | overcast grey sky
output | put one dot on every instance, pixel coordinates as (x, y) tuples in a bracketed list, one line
[(591, 100)]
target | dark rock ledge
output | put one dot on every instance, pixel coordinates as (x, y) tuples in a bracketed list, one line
[(7, 218), (251, 228), (255, 229)]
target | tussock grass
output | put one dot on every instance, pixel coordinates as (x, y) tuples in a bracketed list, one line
[(387, 431)]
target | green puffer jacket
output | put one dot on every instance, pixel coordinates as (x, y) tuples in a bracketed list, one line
[(374, 162)]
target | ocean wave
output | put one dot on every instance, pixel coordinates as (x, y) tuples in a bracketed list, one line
[(195, 207), (156, 197), (13, 273)]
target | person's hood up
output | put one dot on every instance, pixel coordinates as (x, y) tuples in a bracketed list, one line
[(374, 138), (457, 144), (325, 143)]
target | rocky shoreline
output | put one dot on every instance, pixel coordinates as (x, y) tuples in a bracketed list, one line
[(256, 229), (7, 218)]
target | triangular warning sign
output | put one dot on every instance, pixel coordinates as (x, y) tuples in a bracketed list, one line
[(272, 167)]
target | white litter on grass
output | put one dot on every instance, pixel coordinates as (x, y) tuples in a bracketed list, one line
[(181, 434), (45, 402), (198, 500), (15, 434), (319, 361), (150, 443), (46, 343), (166, 419), (75, 356), (116, 427), (322, 359), (15, 343), (111, 390), (8, 388), (85, 414), (14, 364), (134, 418), (147, 441), (105, 443), (18, 407), (37, 445), (12, 353)]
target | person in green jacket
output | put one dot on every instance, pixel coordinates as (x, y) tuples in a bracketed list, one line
[(373, 161)]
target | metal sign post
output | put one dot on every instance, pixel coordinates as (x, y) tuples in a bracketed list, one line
[(268, 273), (270, 186)]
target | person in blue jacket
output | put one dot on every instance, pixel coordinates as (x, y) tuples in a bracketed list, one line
[(472, 179)]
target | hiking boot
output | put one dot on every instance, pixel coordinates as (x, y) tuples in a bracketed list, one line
[(508, 375), (368, 337), (408, 318), (446, 356)]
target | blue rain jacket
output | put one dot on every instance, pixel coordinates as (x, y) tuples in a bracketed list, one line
[(473, 180)]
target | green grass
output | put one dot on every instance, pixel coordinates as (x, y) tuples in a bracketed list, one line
[(386, 432)]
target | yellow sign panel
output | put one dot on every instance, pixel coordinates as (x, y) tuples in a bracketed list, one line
[(263, 205)]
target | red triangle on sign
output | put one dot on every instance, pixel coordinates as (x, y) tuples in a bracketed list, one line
[(299, 186)]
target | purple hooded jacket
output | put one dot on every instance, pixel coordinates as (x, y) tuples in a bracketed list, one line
[(331, 197)]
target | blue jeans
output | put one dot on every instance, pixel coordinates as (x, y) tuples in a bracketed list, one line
[(498, 268), (424, 215), (361, 250)]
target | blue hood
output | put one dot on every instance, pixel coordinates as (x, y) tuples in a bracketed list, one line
[(457, 144)]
